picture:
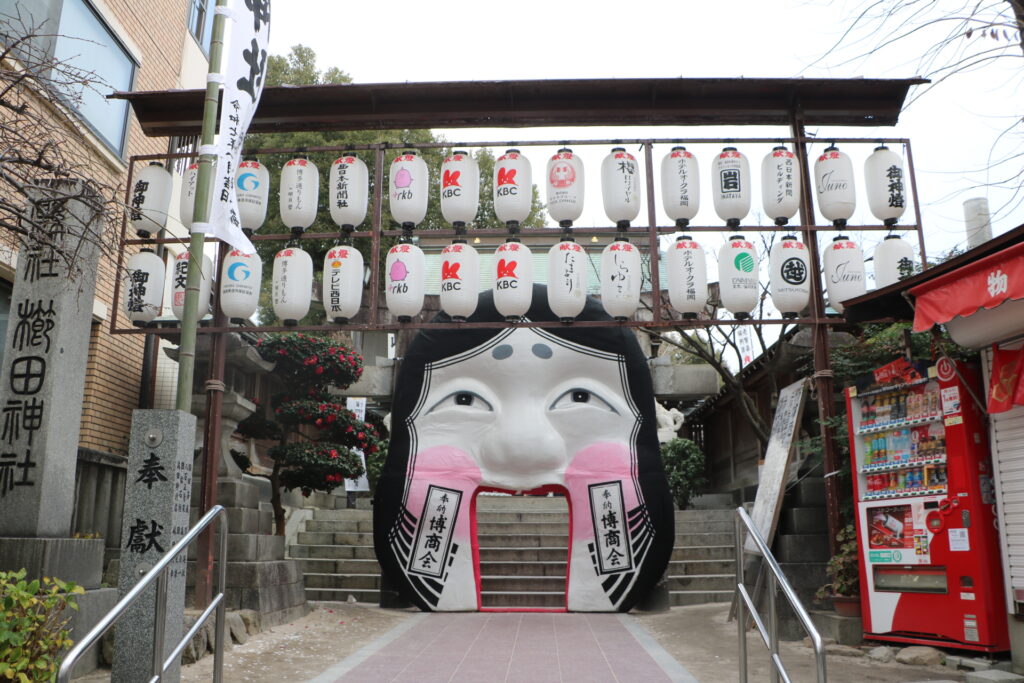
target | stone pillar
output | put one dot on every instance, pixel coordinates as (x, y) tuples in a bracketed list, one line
[(156, 516)]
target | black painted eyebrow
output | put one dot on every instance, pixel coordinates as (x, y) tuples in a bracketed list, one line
[(502, 352), (542, 351)]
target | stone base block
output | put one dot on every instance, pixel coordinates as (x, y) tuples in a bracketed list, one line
[(803, 521), (283, 616), (809, 492), (843, 630), (255, 574), (69, 559), (992, 676), (93, 605), (235, 493), (797, 548)]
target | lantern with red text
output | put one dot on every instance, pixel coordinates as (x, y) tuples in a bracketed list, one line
[(151, 199), (348, 188), (789, 276), (187, 201), (567, 279), (460, 189), (252, 188), (780, 185), (144, 295), (404, 279), (240, 281), (292, 284), (620, 187), (833, 181), (883, 180), (460, 279), (843, 271), (300, 192), (179, 283), (680, 186), (737, 277), (565, 187), (513, 279), (621, 277), (513, 188), (730, 186), (342, 283), (409, 183), (687, 277), (894, 261)]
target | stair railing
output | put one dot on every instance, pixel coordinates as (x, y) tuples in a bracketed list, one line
[(776, 580), (158, 575)]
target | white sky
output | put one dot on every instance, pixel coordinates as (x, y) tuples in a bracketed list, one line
[(953, 129)]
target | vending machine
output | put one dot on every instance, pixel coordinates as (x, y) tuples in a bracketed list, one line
[(925, 508)]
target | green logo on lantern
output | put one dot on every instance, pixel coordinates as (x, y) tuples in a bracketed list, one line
[(744, 263)]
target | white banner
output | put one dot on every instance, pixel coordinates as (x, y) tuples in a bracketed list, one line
[(358, 406), (244, 65)]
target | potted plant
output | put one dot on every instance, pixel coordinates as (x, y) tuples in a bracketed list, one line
[(843, 570)]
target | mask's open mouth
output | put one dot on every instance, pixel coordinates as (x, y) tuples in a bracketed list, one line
[(521, 544)]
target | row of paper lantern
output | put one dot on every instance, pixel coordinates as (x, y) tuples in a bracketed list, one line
[(620, 277), (348, 188)]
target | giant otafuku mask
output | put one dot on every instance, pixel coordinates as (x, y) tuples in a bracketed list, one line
[(569, 409)]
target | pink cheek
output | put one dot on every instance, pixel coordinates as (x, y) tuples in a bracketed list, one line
[(450, 468), (594, 464)]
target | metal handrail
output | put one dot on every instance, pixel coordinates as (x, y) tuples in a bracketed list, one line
[(158, 575), (776, 579)]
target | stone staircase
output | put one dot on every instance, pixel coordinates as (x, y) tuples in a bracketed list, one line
[(702, 568), (335, 554)]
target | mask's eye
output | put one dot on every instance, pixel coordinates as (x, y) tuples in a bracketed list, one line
[(462, 399), (573, 397)]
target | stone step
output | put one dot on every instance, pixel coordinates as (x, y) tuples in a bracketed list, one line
[(343, 514), (678, 567), (341, 594), (338, 566), (332, 552), (356, 581), (701, 582), (682, 598), (521, 528), (495, 599), (517, 541), (507, 554), (704, 552), (521, 503), (706, 515), (522, 584), (339, 525), (523, 568), (685, 540), (705, 527), (328, 538), (550, 517), (712, 501)]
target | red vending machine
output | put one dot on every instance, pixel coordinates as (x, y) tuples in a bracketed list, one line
[(925, 508)]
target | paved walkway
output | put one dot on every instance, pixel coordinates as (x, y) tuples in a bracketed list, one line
[(528, 647)]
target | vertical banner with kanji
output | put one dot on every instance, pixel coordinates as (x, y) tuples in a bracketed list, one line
[(244, 71)]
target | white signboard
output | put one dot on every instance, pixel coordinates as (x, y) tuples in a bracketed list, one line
[(358, 406)]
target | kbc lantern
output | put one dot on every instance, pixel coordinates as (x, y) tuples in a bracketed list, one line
[(513, 188), (513, 279), (460, 279)]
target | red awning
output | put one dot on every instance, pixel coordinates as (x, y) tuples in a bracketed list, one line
[(982, 284)]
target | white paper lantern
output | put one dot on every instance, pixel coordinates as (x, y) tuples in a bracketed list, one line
[(687, 277), (789, 280), (144, 293), (409, 181), (780, 185), (252, 188), (300, 192), (151, 199), (883, 179), (342, 282), (405, 273), (737, 277), (460, 189), (513, 279), (680, 186), (565, 187), (179, 283), (621, 277), (240, 282), (844, 271), (513, 188), (730, 186), (894, 261), (460, 280), (620, 187), (187, 202), (348, 188), (292, 284), (833, 180), (567, 279)]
